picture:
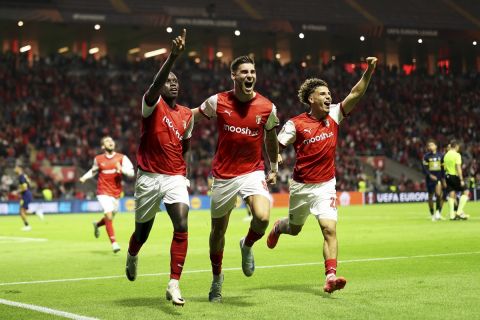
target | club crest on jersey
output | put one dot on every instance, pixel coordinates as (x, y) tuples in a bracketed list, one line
[(326, 122), (258, 119)]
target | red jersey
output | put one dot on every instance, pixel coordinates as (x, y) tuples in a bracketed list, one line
[(315, 143), (163, 130), (241, 126), (109, 180)]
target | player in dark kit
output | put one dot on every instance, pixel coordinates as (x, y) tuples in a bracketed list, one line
[(434, 176), (26, 198)]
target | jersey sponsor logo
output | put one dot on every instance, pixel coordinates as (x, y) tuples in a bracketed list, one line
[(320, 137), (241, 130), (326, 122), (109, 171), (229, 112), (169, 124)]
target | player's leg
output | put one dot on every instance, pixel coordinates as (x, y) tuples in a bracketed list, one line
[(330, 251), (23, 216), (298, 212), (451, 196), (109, 205), (147, 204), (224, 197), (430, 205), (439, 201), (461, 204), (178, 213)]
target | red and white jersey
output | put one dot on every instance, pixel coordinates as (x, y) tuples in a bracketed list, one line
[(241, 126), (109, 179), (163, 131), (315, 143)]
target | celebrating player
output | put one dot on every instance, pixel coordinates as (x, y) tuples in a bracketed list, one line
[(245, 119), (434, 175), (164, 143), (26, 194), (454, 177), (314, 138), (110, 167)]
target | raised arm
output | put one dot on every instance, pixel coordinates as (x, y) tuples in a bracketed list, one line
[(359, 89), (153, 92)]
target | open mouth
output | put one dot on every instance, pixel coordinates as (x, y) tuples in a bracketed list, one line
[(327, 103), (249, 85), (174, 90)]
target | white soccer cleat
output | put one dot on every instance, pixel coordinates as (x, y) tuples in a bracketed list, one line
[(434, 218), (96, 231), (115, 247), (39, 214), (438, 216), (26, 228), (215, 294), (173, 293), (248, 262), (131, 267)]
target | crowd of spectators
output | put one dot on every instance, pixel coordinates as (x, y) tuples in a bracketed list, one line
[(56, 109)]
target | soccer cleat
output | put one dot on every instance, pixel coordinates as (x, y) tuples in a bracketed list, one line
[(26, 228), (434, 218), (96, 231), (115, 247), (273, 236), (131, 267), (333, 284), (463, 216), (215, 294), (173, 293), (248, 262), (39, 214), (438, 216)]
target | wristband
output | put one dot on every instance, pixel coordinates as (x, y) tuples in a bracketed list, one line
[(274, 166)]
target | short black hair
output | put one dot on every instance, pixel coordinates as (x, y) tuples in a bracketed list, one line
[(240, 60), (307, 88), (453, 143)]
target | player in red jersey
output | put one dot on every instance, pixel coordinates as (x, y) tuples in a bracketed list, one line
[(314, 138), (162, 169), (245, 119), (110, 167)]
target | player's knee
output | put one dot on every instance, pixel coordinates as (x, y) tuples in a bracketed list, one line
[(181, 226), (329, 232)]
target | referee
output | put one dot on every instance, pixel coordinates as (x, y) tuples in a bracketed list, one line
[(452, 162)]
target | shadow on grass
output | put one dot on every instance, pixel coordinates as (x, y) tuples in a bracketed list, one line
[(157, 303), (237, 301), (103, 252), (303, 289)]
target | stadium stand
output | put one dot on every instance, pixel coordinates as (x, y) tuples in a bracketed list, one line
[(56, 111)]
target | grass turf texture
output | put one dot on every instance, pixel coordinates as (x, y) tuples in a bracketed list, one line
[(435, 287)]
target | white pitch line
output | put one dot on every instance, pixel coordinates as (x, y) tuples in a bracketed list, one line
[(46, 310), (236, 269), (20, 240)]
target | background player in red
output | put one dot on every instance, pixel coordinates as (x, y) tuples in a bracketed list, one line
[(164, 143), (110, 167), (245, 119), (314, 138)]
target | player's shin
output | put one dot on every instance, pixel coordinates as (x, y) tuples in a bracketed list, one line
[(178, 252)]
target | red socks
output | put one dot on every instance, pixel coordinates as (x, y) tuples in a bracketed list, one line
[(134, 246), (330, 266), (252, 237), (109, 227), (101, 222), (178, 251), (216, 259)]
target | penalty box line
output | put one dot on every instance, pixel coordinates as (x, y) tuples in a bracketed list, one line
[(236, 269), (46, 310)]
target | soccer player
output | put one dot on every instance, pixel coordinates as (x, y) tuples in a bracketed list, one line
[(26, 197), (314, 138), (245, 119), (110, 167), (452, 162), (164, 144), (434, 175)]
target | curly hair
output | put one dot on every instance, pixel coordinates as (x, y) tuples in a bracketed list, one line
[(307, 88)]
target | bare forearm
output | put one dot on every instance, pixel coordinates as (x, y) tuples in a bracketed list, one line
[(186, 154), (359, 89), (459, 172), (161, 77), (271, 144)]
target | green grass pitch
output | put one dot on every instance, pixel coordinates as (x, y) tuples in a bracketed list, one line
[(398, 264)]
